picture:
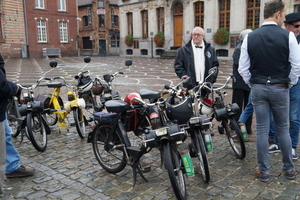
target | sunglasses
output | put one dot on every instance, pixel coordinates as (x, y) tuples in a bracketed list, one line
[(295, 25)]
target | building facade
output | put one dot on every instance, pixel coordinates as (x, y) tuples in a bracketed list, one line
[(12, 28), (99, 32), (51, 24), (176, 19)]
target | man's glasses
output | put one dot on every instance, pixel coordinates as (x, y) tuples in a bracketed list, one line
[(295, 25), (198, 35)]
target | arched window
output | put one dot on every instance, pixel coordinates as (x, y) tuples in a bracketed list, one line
[(253, 12)]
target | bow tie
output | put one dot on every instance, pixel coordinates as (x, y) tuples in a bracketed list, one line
[(198, 47)]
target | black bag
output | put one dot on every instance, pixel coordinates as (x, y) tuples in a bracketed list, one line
[(103, 117)]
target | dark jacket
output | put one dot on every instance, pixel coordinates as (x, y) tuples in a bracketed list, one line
[(184, 63), (238, 82), (7, 90)]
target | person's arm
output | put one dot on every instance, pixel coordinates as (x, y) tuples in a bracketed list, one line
[(7, 88), (244, 62), (179, 67), (294, 59)]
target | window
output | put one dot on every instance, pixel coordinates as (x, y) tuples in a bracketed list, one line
[(101, 21), (41, 28), (129, 24), (39, 4), (115, 21), (199, 13), (234, 40), (62, 5), (115, 41), (224, 14), (253, 12), (85, 20), (87, 43), (136, 44), (222, 52), (63, 30), (89, 10), (145, 24), (100, 4), (1, 34), (160, 20)]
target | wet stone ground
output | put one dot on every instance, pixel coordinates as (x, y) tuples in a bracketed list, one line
[(68, 169)]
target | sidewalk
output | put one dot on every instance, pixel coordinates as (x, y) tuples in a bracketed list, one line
[(68, 169)]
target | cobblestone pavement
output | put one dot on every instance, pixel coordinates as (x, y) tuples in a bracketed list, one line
[(68, 169)]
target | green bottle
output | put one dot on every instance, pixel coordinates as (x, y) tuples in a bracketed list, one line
[(208, 142), (244, 131), (188, 164)]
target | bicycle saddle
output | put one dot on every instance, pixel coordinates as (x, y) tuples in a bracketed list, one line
[(149, 94), (116, 106)]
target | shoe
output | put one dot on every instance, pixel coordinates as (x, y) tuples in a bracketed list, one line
[(295, 155), (262, 177), (290, 175), (274, 148), (271, 141), (22, 171)]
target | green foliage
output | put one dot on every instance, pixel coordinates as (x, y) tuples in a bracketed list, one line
[(159, 39), (129, 40), (221, 36)]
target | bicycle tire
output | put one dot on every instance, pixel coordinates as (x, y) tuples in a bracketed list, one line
[(36, 131), (234, 136), (89, 102), (113, 160), (175, 169), (11, 117), (50, 117), (79, 121), (201, 154)]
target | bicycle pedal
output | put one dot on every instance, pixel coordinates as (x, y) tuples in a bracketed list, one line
[(146, 169)]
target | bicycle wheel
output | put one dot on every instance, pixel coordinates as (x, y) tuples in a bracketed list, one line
[(201, 154), (234, 136), (110, 158), (36, 131), (89, 102), (50, 117), (79, 121), (12, 119), (175, 169)]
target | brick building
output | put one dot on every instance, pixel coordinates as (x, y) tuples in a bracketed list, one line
[(12, 28), (51, 24), (98, 27)]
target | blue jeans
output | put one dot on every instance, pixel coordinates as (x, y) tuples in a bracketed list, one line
[(294, 112), (12, 155), (266, 98)]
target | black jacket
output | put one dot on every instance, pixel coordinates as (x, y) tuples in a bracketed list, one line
[(184, 63), (7, 90), (238, 82)]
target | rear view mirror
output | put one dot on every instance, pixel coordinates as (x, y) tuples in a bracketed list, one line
[(185, 78), (87, 59), (53, 63), (128, 63), (212, 70)]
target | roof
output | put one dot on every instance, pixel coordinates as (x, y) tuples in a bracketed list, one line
[(84, 2)]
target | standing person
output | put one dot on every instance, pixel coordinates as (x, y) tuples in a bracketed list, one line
[(7, 89), (292, 23), (269, 62), (241, 90), (195, 59)]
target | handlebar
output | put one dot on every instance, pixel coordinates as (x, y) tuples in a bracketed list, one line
[(145, 104)]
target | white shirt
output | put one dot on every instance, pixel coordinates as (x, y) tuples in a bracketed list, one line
[(199, 60), (294, 58)]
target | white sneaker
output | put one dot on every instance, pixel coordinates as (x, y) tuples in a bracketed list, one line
[(274, 148), (295, 155)]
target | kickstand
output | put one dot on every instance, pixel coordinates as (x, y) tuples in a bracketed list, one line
[(136, 168)]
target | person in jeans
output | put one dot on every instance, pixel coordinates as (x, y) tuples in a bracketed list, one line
[(292, 23), (270, 63), (240, 90)]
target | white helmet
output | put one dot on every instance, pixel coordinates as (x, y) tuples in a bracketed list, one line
[(205, 106)]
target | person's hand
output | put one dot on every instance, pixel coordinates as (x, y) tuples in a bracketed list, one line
[(18, 92)]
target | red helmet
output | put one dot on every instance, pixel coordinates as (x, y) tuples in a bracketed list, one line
[(132, 95)]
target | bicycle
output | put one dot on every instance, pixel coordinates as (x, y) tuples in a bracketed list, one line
[(180, 108), (58, 111), (112, 146), (24, 116), (224, 113)]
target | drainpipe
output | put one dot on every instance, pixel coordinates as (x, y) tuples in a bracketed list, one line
[(26, 25)]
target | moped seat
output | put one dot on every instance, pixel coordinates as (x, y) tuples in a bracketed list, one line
[(54, 85), (149, 94), (116, 106)]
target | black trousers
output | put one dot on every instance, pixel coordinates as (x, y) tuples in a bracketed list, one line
[(241, 97)]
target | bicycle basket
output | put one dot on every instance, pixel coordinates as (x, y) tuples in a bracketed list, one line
[(97, 89)]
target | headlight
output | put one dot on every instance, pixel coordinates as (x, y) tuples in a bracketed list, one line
[(161, 131), (195, 120)]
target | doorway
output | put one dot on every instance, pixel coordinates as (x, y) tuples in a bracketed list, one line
[(102, 47), (178, 25)]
